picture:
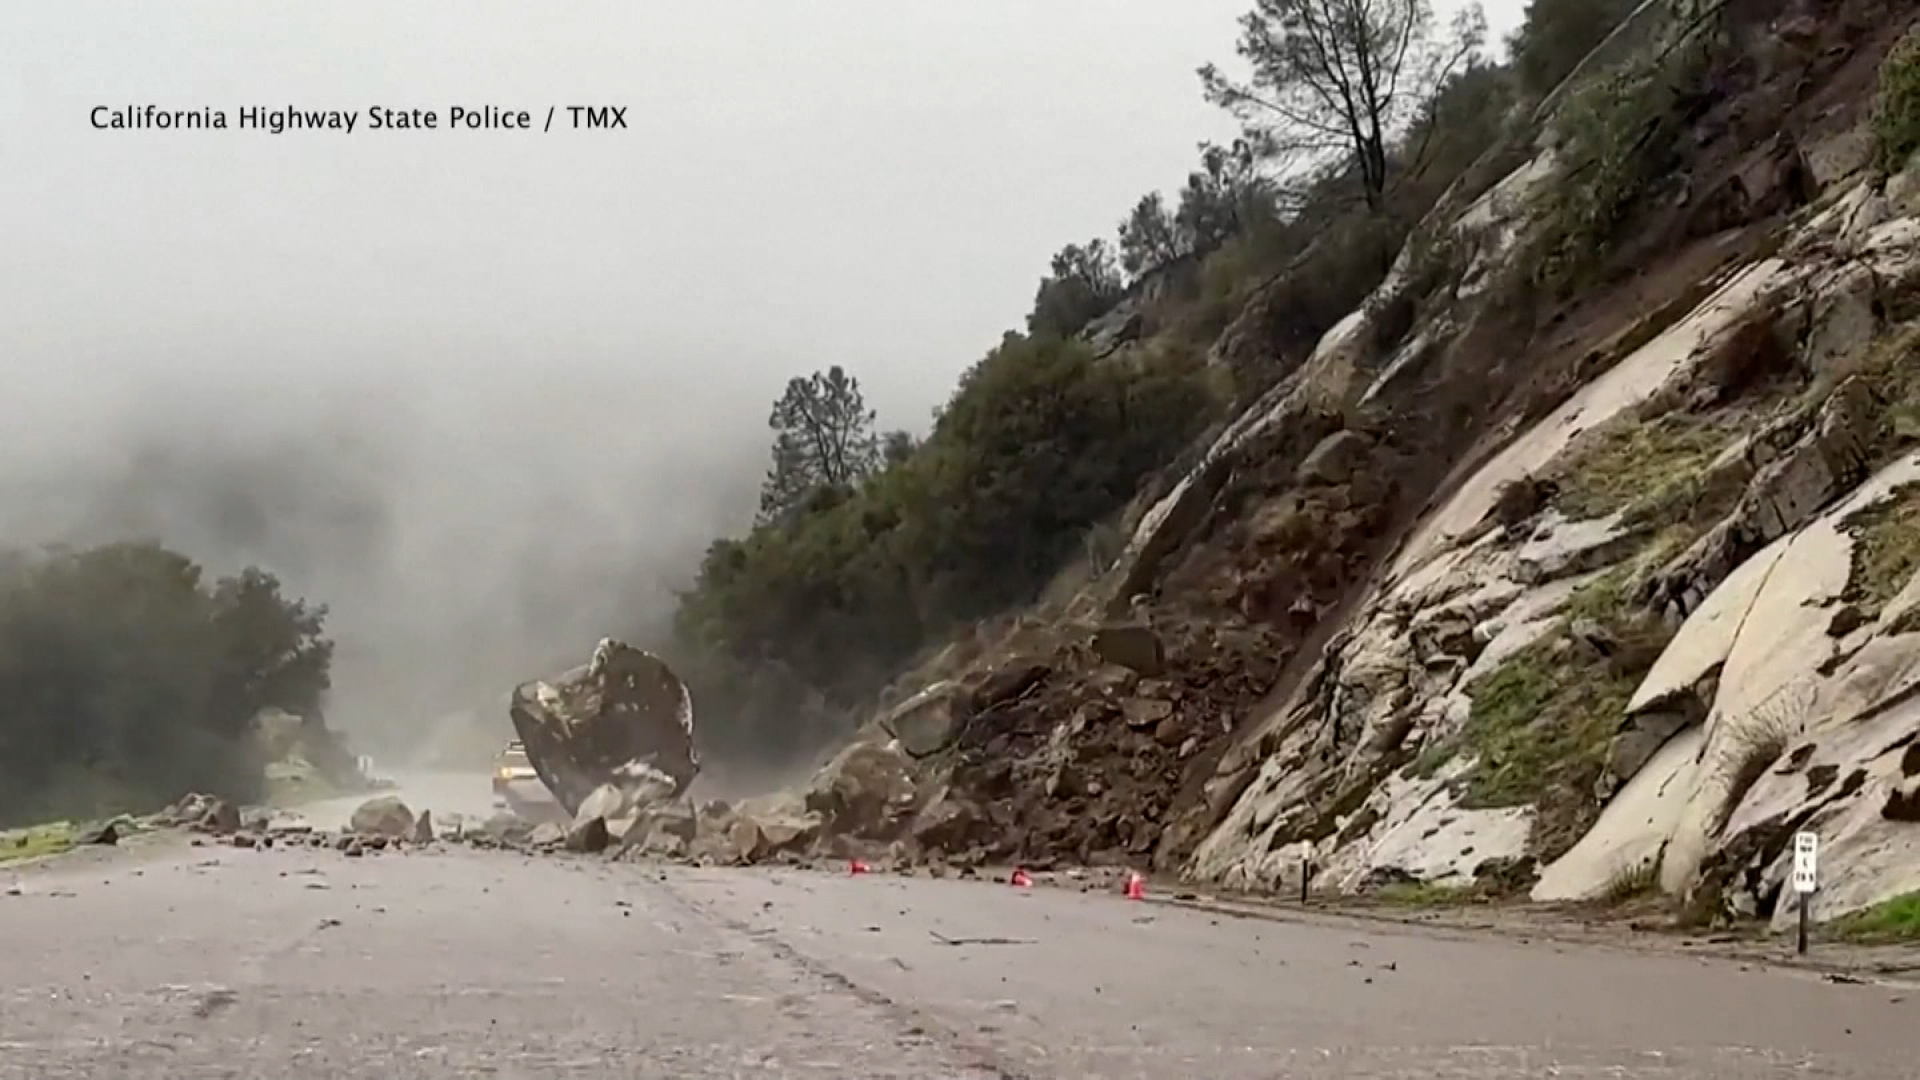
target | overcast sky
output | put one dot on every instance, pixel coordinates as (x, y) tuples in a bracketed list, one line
[(488, 393)]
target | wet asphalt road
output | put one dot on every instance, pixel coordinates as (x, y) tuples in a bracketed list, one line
[(214, 961)]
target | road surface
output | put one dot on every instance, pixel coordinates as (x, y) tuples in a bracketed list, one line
[(214, 961)]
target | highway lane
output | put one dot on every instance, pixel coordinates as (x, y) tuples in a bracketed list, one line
[(214, 961)]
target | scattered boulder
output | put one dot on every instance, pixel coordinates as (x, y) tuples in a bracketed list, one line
[(867, 791), (423, 828), (1144, 713), (787, 834), (1008, 684), (384, 815), (1334, 460), (1131, 645), (221, 817), (1519, 501), (546, 834), (105, 833), (505, 828)]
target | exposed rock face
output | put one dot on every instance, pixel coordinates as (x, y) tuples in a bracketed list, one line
[(1369, 771), (383, 816), (1823, 722), (1787, 488), (623, 719)]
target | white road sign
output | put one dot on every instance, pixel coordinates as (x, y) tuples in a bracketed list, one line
[(1806, 862)]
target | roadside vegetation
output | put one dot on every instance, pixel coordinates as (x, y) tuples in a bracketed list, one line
[(1421, 894), (1888, 922), (36, 841), (128, 678), (873, 549)]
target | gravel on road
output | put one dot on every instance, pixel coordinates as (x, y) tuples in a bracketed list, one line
[(294, 962)]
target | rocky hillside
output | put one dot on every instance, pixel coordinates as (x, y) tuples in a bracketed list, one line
[(1577, 562)]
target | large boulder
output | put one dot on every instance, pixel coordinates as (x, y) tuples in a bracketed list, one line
[(866, 791), (623, 719), (930, 720), (383, 816)]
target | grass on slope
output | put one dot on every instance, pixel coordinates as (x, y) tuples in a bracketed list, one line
[(1650, 470), (1886, 550), (1543, 721)]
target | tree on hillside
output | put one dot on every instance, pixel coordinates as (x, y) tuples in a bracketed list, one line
[(896, 447), (1150, 237), (823, 442), (1224, 197), (1557, 34), (126, 680), (1342, 78), (1084, 284)]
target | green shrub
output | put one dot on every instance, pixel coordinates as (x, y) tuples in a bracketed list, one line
[(1619, 142), (1895, 920), (1896, 109)]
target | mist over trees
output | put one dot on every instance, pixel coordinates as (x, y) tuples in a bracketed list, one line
[(128, 679)]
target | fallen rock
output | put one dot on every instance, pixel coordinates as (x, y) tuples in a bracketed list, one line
[(1142, 713), (105, 833), (1903, 802), (385, 816), (606, 801), (1007, 684), (1334, 460), (1131, 645), (546, 835), (505, 828), (927, 722), (423, 828), (589, 837), (675, 820), (782, 835), (220, 817), (624, 718), (867, 791)]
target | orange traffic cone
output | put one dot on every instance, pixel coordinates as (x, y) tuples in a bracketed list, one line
[(1020, 879), (1136, 886), (855, 866)]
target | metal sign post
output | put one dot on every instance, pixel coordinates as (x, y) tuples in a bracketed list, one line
[(1806, 879)]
